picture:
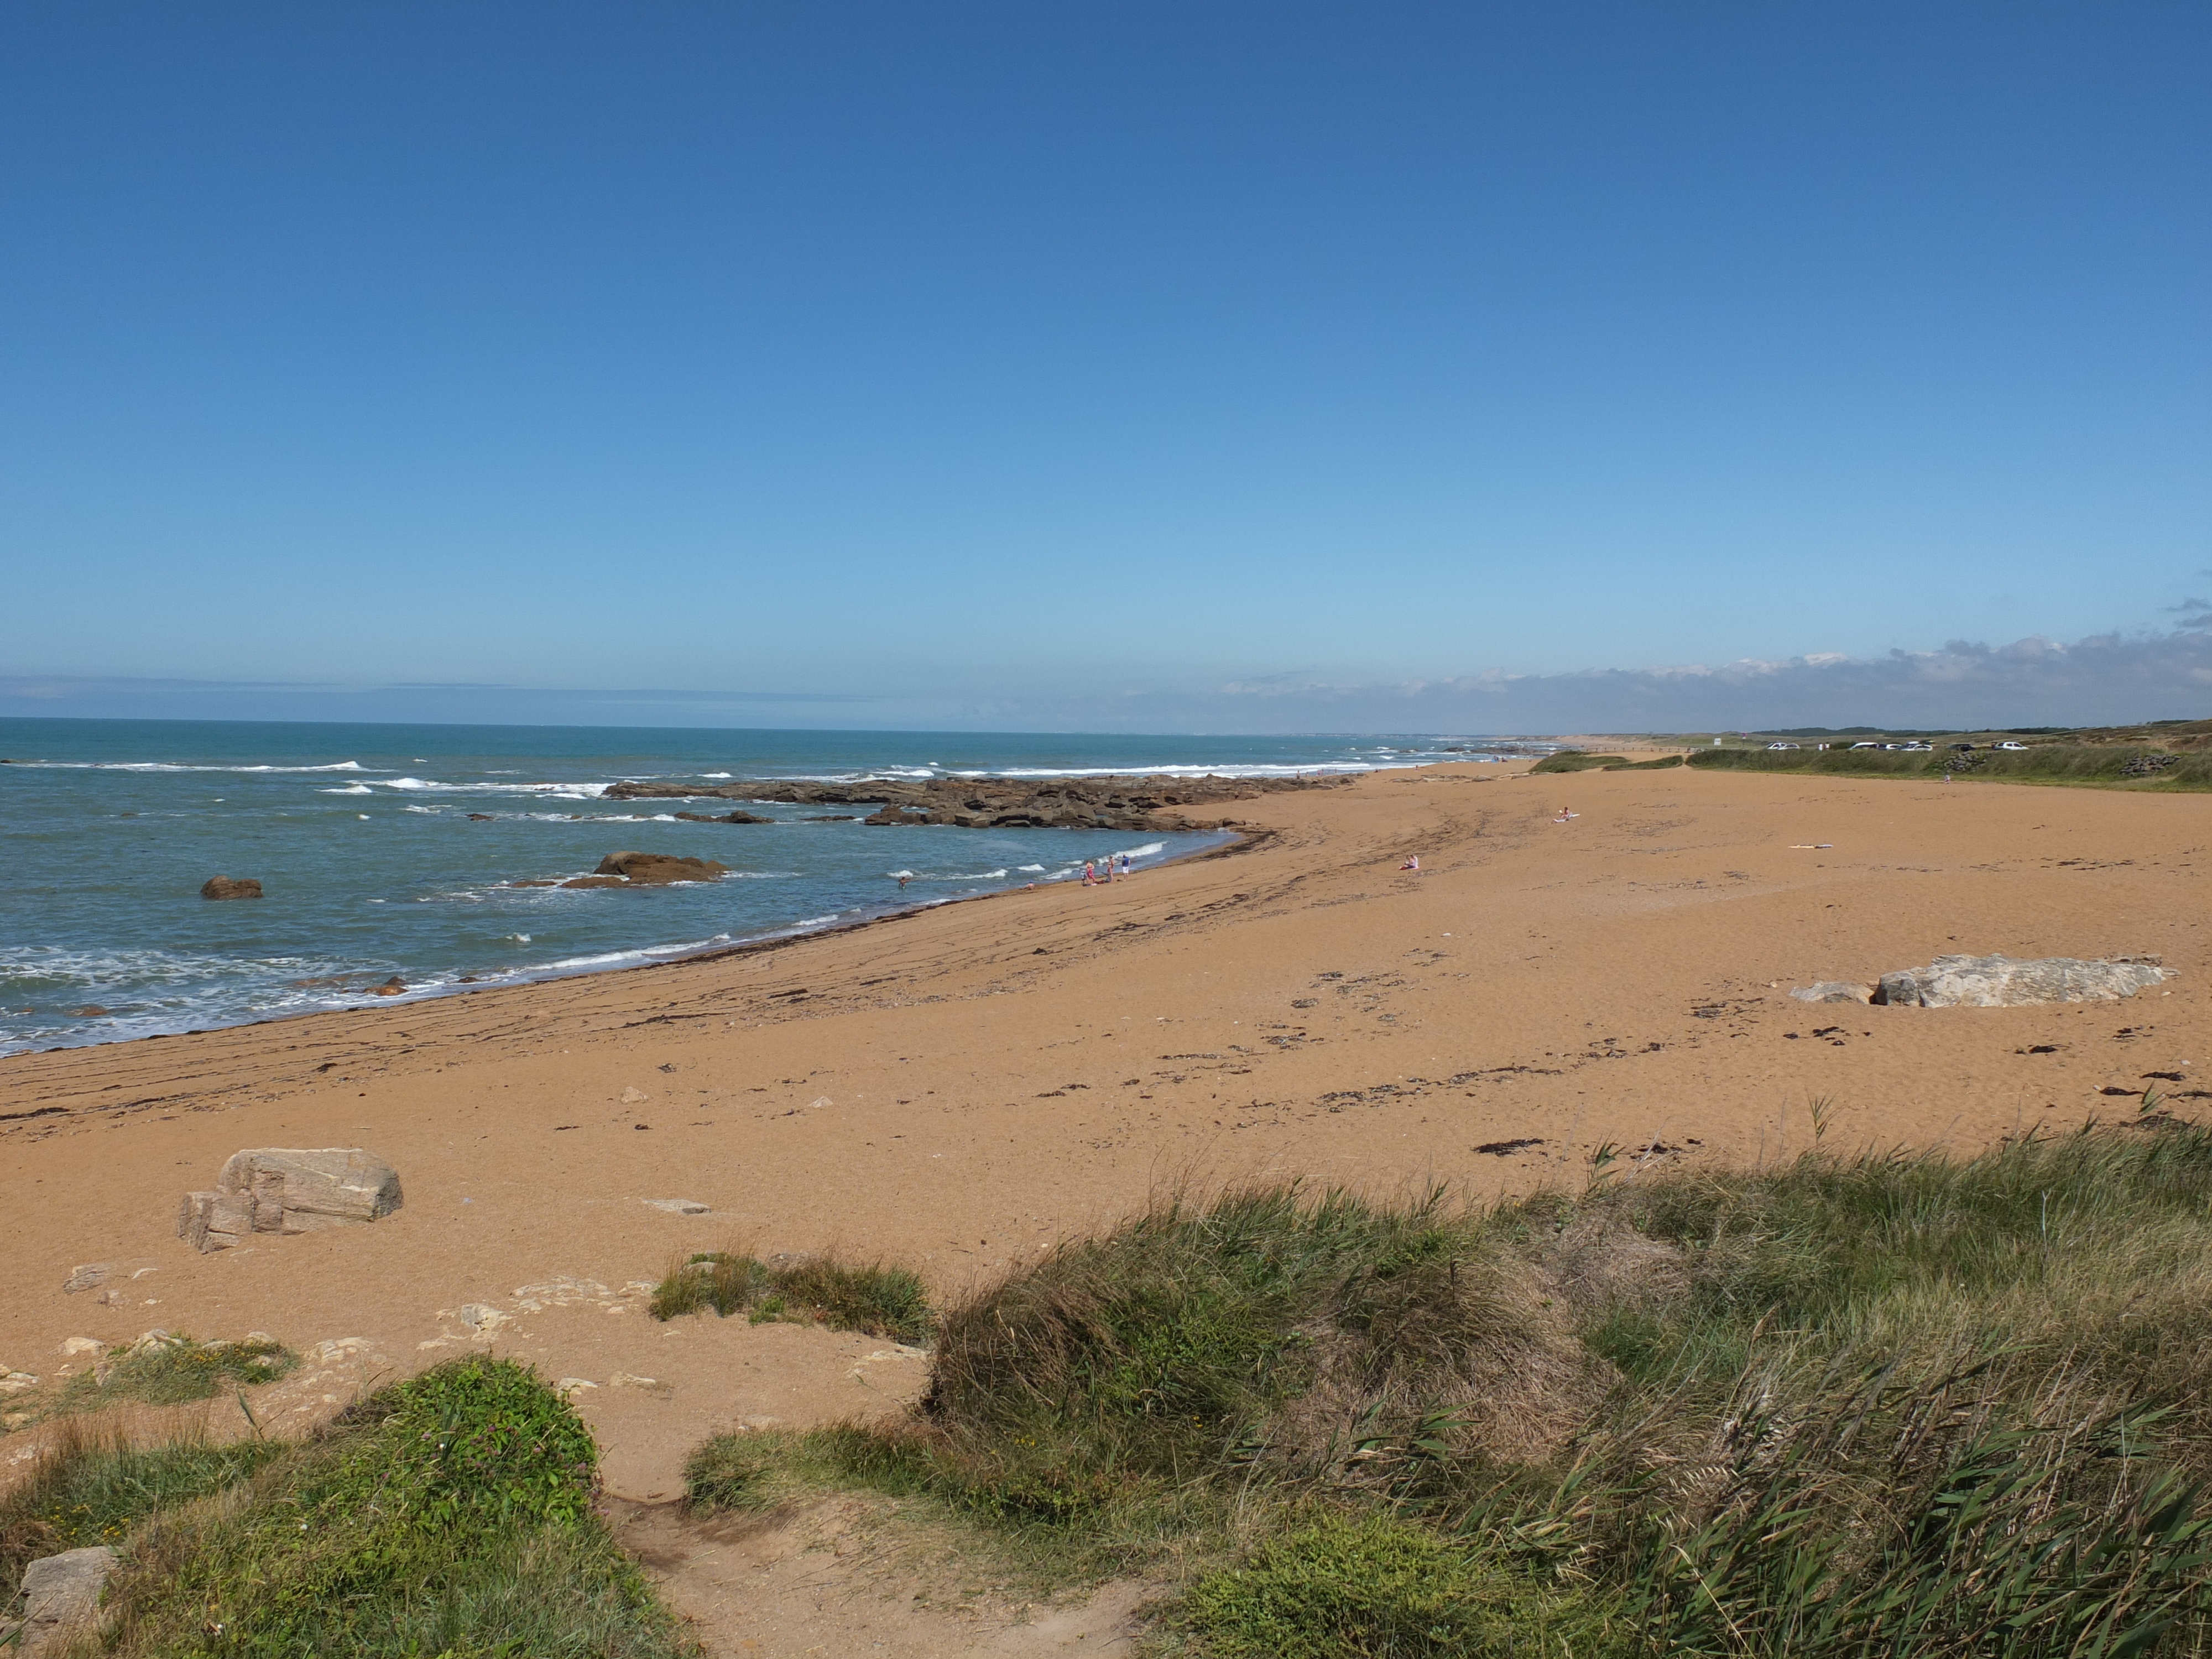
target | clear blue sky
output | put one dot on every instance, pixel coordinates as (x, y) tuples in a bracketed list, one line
[(1212, 365)]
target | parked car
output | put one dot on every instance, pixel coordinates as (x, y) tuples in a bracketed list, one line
[(1782, 745), (1917, 748), (1868, 744), (1963, 748), (2012, 746)]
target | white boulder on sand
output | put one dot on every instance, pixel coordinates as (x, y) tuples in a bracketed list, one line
[(275, 1189), (1999, 982)]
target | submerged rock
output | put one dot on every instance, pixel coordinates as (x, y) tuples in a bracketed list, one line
[(1106, 803), (726, 817), (2001, 981), (651, 870), (224, 887)]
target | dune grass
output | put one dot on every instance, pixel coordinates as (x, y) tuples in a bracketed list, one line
[(2102, 765), (92, 1488), (1570, 760), (451, 1513), (869, 1297), (1850, 1405)]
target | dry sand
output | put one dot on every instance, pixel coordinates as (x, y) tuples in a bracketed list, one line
[(959, 1087)]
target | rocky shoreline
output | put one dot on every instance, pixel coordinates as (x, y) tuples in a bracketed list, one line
[(1155, 804)]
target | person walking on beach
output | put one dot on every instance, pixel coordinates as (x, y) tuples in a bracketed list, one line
[(1089, 873)]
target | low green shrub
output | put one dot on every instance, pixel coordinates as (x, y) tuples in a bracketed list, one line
[(869, 1298), (1574, 760), (1342, 1585), (449, 1514)]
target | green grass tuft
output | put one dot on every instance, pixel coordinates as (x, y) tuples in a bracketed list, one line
[(87, 1490), (449, 1514), (1344, 1585), (870, 1298)]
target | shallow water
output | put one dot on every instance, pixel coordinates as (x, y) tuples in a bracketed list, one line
[(392, 850)]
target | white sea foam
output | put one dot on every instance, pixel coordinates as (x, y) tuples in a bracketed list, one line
[(181, 766), (351, 789)]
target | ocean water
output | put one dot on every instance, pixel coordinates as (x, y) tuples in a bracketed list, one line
[(374, 866)]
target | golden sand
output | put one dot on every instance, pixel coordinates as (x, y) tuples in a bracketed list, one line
[(957, 1088)]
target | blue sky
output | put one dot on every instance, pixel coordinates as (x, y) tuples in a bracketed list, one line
[(1131, 367)]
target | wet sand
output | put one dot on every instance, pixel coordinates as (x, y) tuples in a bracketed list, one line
[(959, 1087)]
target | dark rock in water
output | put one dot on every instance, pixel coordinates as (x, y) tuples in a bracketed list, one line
[(727, 818), (835, 818), (391, 987), (579, 881), (649, 870), (1108, 803), (479, 817), (91, 1011), (222, 887)]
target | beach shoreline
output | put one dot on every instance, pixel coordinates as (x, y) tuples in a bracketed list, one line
[(959, 1091)]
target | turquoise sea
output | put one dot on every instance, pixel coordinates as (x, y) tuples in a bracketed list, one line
[(374, 866)]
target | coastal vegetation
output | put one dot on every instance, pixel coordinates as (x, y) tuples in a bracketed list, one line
[(160, 1368), (2106, 765), (451, 1513), (1574, 760), (870, 1297), (1867, 1405)]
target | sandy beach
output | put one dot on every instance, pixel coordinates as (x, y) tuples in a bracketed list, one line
[(957, 1089)]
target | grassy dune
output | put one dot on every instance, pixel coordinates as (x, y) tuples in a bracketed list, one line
[(449, 1515), (2105, 765), (1863, 1406)]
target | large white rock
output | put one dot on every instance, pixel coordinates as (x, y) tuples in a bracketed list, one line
[(2000, 982), (278, 1189), (61, 1595)]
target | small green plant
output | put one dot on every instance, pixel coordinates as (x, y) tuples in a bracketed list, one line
[(869, 1298), (1341, 1586), (162, 1370)]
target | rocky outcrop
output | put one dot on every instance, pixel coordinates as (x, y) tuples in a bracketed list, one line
[(725, 817), (1109, 803), (61, 1597), (2001, 981), (277, 1190), (223, 887), (647, 870)]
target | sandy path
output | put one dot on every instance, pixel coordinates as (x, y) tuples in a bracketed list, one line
[(959, 1087)]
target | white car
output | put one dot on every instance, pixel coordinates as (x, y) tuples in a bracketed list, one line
[(1782, 745), (2012, 746), (1868, 745)]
